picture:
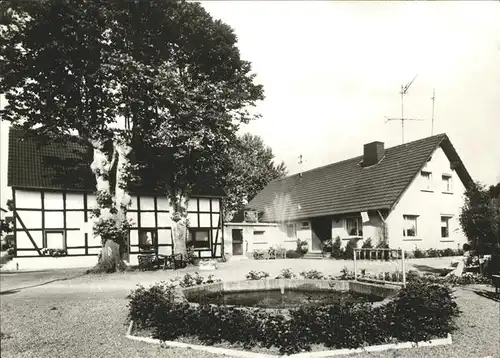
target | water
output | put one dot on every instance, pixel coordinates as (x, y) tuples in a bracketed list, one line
[(275, 299)]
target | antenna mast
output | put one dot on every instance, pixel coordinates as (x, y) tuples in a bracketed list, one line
[(403, 92), (300, 163), (433, 101)]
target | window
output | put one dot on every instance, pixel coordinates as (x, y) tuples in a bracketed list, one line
[(426, 180), (304, 225), (446, 179), (290, 230), (200, 239), (410, 225), (354, 226), (147, 239), (54, 240), (257, 233), (445, 226)]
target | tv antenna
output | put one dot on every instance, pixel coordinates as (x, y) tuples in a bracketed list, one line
[(300, 165), (403, 92)]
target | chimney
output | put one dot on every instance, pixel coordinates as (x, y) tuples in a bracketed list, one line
[(372, 153)]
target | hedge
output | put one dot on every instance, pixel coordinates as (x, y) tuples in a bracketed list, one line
[(419, 312)]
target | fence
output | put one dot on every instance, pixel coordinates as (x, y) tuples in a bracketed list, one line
[(382, 258)]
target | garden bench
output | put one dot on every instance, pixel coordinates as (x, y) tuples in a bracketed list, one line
[(146, 262), (174, 261), (496, 282)]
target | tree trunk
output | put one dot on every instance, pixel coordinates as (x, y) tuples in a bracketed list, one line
[(109, 259), (178, 206), (110, 219), (122, 198)]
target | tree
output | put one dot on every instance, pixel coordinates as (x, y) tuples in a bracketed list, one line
[(251, 168), (125, 75), (480, 218)]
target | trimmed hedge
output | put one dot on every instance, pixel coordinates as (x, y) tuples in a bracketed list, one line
[(419, 312)]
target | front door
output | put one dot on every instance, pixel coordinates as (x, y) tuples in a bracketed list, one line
[(321, 230), (237, 235)]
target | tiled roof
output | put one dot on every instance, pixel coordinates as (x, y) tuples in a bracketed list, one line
[(348, 187), (40, 163)]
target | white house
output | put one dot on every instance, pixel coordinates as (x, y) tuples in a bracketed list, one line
[(409, 195), (53, 191)]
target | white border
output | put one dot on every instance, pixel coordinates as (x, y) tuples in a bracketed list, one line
[(336, 352)]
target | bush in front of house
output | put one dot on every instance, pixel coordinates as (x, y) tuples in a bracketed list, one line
[(419, 312), (302, 247), (367, 244), (348, 253), (337, 251)]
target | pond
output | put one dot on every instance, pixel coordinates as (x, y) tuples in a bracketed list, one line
[(276, 299)]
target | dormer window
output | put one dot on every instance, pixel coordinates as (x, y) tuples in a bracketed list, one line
[(426, 180)]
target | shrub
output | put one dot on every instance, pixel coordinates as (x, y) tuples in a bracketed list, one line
[(144, 304), (191, 280), (422, 311), (383, 254), (192, 258), (287, 274), (492, 265), (292, 254), (312, 275), (432, 253), (418, 254), (367, 244), (349, 249), (345, 274), (467, 278), (337, 248), (419, 312), (256, 275), (326, 245), (448, 252), (302, 246)]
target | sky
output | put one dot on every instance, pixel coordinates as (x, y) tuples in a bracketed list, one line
[(332, 73)]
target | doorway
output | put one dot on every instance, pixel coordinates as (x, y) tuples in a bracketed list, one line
[(237, 235), (321, 230)]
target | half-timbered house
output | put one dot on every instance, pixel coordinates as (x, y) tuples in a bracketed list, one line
[(53, 192)]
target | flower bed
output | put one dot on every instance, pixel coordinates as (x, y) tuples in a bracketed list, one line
[(419, 312)]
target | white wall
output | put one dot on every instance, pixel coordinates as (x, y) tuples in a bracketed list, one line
[(273, 236), (429, 206), (371, 228)]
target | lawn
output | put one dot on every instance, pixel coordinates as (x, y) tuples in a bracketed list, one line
[(86, 316)]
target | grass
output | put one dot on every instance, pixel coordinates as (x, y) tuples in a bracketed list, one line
[(86, 316), (83, 326)]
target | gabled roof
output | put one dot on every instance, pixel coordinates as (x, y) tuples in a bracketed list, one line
[(348, 187), (64, 164)]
